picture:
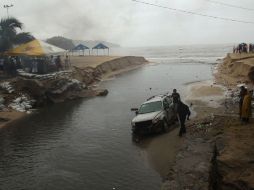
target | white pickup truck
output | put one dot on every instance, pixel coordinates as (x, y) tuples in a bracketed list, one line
[(156, 114)]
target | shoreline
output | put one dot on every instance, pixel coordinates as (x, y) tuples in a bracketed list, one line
[(217, 149), (191, 168)]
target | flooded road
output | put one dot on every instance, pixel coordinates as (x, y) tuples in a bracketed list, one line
[(87, 144)]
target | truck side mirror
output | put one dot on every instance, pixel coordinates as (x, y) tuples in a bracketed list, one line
[(135, 109)]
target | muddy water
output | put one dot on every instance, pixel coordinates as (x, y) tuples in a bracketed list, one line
[(87, 144)]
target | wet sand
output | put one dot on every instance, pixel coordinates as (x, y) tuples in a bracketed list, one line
[(205, 98), (161, 150), (9, 117), (118, 72), (192, 158)]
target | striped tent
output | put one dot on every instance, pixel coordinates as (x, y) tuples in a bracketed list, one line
[(101, 46), (79, 48)]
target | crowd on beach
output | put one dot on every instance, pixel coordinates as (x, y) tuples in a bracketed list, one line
[(243, 48), (9, 65)]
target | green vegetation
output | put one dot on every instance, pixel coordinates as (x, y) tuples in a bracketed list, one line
[(9, 35)]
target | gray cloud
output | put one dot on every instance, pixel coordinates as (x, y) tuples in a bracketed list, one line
[(132, 24)]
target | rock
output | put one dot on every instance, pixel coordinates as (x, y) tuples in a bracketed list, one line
[(3, 119), (103, 93), (202, 167), (1, 100), (1, 103)]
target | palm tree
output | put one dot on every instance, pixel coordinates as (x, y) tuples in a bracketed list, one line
[(9, 35)]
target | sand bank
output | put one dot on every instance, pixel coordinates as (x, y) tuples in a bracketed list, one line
[(7, 117), (90, 61), (218, 150), (236, 69)]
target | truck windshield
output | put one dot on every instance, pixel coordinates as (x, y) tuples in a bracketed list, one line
[(150, 107)]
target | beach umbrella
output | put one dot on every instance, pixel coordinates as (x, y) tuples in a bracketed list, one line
[(35, 48)]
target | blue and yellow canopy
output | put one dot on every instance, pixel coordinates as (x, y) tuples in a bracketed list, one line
[(35, 48)]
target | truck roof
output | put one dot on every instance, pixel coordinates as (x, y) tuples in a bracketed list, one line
[(155, 98)]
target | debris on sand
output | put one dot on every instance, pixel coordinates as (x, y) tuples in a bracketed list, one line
[(22, 104), (44, 76), (201, 126), (65, 84), (1, 103), (7, 86)]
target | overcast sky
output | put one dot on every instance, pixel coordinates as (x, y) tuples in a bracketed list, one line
[(132, 24)]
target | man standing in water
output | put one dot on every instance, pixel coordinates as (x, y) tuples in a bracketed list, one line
[(183, 113)]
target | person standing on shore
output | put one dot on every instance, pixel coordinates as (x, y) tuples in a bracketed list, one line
[(59, 63), (246, 107), (243, 92), (176, 98), (66, 62), (183, 113)]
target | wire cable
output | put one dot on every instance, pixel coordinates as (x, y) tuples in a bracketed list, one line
[(230, 5), (193, 13)]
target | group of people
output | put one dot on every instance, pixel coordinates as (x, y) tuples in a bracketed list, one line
[(10, 64), (182, 111), (57, 61), (39, 65), (243, 48), (245, 98)]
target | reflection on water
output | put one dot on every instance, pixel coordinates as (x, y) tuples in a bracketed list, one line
[(86, 144)]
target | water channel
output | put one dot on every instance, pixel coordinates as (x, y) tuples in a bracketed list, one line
[(87, 143)]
